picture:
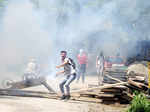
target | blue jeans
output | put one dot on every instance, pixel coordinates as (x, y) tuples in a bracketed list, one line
[(66, 82), (82, 70)]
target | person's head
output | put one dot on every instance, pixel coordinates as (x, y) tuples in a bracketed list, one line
[(63, 54), (81, 51), (101, 53), (118, 54), (33, 60)]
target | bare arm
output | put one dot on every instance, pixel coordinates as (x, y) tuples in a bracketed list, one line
[(61, 72), (63, 64)]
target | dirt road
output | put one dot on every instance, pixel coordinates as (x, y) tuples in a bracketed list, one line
[(20, 104), (26, 104)]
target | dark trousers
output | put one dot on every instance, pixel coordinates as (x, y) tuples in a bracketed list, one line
[(82, 70)]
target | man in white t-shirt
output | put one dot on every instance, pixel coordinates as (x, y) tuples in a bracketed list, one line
[(70, 73)]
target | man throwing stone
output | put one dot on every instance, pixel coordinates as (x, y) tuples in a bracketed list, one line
[(70, 74)]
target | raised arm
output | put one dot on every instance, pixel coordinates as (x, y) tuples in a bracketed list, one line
[(63, 64)]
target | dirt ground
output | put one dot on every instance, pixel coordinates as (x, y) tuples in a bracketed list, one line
[(26, 104)]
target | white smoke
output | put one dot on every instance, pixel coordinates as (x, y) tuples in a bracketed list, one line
[(22, 37), (41, 28)]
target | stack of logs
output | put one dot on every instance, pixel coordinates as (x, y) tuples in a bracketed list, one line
[(122, 92)]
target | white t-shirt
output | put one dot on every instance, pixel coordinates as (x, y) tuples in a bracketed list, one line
[(68, 67)]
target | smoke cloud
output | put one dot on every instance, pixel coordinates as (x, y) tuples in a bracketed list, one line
[(41, 28)]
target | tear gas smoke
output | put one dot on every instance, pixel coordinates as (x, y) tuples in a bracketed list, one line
[(41, 28)]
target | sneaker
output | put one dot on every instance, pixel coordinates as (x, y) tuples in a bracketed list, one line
[(67, 97), (62, 97)]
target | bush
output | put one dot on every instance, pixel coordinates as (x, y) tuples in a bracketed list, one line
[(139, 104)]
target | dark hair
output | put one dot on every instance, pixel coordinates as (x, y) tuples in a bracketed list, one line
[(101, 53), (63, 52)]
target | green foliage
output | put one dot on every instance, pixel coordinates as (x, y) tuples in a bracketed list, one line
[(139, 104)]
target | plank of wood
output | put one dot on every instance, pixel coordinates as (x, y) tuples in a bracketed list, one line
[(89, 93), (121, 87), (109, 99), (111, 90), (113, 78), (106, 95), (100, 87), (97, 95), (87, 99)]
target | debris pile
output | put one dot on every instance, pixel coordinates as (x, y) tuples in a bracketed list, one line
[(121, 91), (119, 95)]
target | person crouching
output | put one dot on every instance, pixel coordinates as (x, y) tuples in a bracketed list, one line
[(70, 73)]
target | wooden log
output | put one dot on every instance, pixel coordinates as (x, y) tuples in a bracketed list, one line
[(30, 83), (106, 95), (121, 87), (26, 83), (138, 79), (25, 91), (111, 90), (109, 99), (137, 84), (132, 88), (127, 96), (113, 78), (115, 71), (27, 94), (100, 87), (92, 85)]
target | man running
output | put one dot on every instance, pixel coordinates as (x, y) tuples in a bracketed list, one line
[(69, 71)]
